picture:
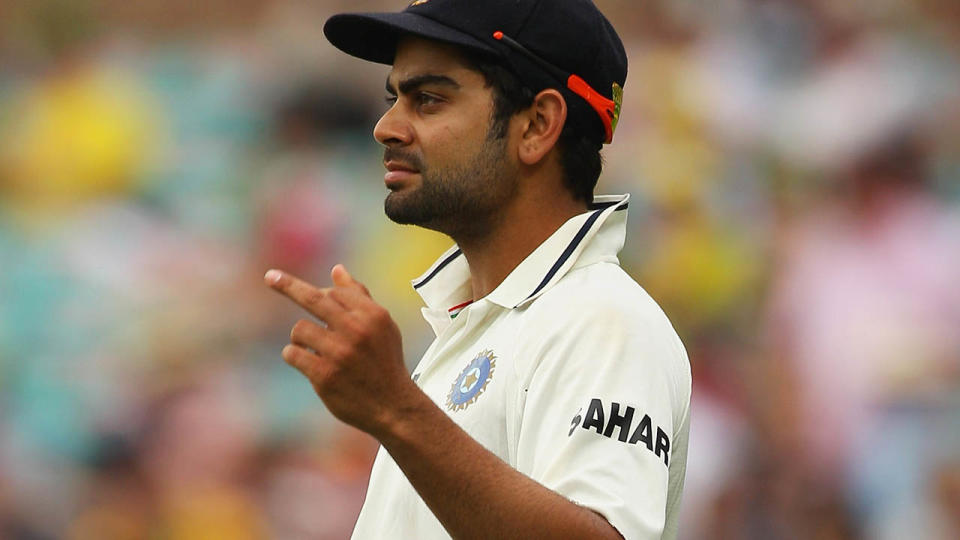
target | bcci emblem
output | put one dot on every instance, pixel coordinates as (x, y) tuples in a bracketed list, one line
[(472, 381)]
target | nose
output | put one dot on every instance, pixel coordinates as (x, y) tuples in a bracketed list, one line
[(393, 129)]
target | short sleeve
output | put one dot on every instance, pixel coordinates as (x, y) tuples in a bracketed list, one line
[(604, 402)]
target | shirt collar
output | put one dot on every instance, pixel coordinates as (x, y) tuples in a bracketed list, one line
[(593, 236)]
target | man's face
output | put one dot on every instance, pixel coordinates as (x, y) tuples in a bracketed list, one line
[(445, 171)]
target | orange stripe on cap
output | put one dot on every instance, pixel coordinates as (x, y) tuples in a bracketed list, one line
[(605, 108)]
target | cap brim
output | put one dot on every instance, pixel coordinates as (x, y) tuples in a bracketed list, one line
[(374, 36)]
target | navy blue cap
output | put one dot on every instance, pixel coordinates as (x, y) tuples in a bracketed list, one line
[(563, 44)]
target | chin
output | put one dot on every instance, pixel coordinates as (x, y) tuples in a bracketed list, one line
[(400, 209), (405, 210)]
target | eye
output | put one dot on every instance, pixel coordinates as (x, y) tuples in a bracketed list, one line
[(425, 99), (390, 100)]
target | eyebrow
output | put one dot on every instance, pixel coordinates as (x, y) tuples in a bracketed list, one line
[(409, 85)]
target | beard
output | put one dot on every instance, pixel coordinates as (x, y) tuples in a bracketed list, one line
[(458, 200)]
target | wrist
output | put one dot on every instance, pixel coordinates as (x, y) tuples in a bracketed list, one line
[(408, 412)]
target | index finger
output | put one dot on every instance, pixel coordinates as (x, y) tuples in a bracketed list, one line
[(302, 293)]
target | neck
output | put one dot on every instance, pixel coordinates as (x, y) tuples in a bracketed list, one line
[(515, 233)]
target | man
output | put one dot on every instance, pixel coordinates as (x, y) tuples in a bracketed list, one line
[(554, 401)]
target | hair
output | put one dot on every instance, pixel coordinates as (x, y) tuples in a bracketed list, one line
[(580, 157)]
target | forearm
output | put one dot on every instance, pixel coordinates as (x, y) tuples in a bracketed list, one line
[(474, 493), (355, 364)]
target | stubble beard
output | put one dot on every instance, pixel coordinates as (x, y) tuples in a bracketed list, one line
[(460, 201)]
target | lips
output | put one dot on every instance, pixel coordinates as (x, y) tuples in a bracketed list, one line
[(393, 166), (398, 173)]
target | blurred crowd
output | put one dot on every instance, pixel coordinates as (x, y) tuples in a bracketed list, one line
[(795, 167)]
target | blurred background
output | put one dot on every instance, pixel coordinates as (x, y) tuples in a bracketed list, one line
[(795, 173)]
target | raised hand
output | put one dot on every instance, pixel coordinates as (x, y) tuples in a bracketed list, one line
[(352, 354)]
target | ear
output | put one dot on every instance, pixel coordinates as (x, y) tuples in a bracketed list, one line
[(545, 120)]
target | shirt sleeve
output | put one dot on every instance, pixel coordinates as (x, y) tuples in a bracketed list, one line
[(603, 403)]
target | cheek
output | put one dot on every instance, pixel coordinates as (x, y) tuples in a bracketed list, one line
[(454, 141), (448, 141), (446, 147)]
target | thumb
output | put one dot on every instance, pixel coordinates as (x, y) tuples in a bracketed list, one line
[(342, 278)]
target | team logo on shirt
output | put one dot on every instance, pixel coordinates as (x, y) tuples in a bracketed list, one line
[(472, 381)]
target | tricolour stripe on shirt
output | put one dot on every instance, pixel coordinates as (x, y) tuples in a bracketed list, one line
[(455, 310)]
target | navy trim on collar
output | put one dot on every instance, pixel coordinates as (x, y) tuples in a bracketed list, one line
[(598, 209), (605, 205), (439, 267)]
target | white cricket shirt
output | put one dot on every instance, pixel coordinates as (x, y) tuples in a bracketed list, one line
[(568, 371)]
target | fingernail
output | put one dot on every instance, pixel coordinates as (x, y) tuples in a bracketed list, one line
[(273, 276)]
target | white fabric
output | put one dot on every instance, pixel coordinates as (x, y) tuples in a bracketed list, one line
[(589, 334)]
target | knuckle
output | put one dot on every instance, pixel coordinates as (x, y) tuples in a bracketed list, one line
[(338, 294), (380, 315), (333, 371), (360, 323), (299, 330), (314, 297), (341, 350), (360, 330)]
